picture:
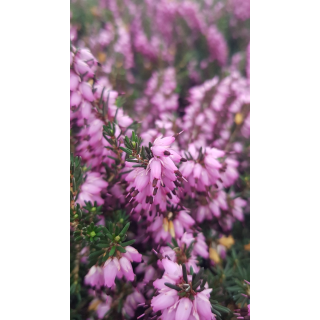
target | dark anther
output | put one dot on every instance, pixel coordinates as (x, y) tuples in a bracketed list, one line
[(178, 173), (154, 182), (134, 193), (135, 204), (177, 184)]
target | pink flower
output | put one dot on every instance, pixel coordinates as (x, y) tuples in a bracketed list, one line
[(248, 62), (110, 270), (204, 172), (104, 305), (74, 81), (180, 254), (132, 302), (193, 305), (91, 189), (212, 208), (171, 224), (231, 174), (184, 309), (94, 277), (200, 247), (237, 208), (120, 266), (91, 146), (149, 188), (241, 9)]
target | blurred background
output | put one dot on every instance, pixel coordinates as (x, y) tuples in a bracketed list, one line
[(197, 39)]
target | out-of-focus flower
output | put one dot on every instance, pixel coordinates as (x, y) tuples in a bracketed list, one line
[(101, 305), (91, 189), (132, 302), (94, 277)]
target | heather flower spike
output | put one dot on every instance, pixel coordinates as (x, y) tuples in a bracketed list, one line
[(155, 177)]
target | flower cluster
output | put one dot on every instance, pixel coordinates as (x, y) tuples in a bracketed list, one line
[(156, 176), (182, 296), (160, 159)]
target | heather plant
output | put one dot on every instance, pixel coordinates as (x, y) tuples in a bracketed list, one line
[(160, 159)]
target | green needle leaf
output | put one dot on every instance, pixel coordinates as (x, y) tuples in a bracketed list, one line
[(124, 230), (112, 251), (95, 254), (185, 276), (121, 249), (127, 243), (172, 286)]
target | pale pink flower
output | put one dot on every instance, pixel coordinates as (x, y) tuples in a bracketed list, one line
[(120, 266), (94, 277)]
